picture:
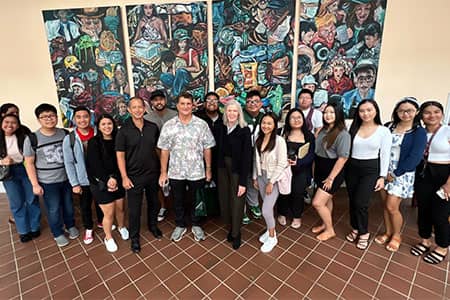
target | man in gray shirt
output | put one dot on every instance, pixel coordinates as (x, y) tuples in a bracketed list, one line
[(159, 115), (45, 167)]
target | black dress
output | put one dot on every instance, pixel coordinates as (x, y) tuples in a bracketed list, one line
[(101, 165)]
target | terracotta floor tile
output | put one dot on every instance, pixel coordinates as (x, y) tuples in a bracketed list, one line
[(318, 260), (176, 282), (129, 260), (11, 291), (280, 270), (181, 260), (350, 292), (286, 292), (191, 292), (299, 283), (118, 282), (235, 260), (407, 260), (237, 283), (208, 260), (207, 282), (110, 271), (222, 271), (430, 284), (83, 270), (56, 271), (268, 282), (387, 293), (89, 282), (290, 260), (137, 271), (193, 270), (128, 292), (262, 260), (29, 270), (222, 292), (254, 292), (370, 271), (155, 260), (164, 271), (99, 292), (400, 271), (159, 292), (436, 270), (147, 282), (396, 283), (346, 259), (8, 279), (420, 293), (41, 292), (31, 282), (364, 283), (332, 283), (318, 292), (60, 282), (309, 271), (339, 271)]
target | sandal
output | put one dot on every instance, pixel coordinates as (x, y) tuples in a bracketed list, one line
[(363, 243), (419, 249), (11, 220), (434, 257), (394, 244), (382, 239), (352, 236)]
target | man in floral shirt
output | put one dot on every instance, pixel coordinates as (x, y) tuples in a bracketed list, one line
[(187, 140)]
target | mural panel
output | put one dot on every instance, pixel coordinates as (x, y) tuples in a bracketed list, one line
[(253, 42), (169, 49), (87, 54), (339, 50)]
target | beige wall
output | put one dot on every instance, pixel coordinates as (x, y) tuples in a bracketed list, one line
[(414, 58)]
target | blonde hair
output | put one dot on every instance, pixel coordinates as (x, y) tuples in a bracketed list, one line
[(241, 120)]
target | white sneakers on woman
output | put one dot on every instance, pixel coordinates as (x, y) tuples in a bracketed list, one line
[(111, 245), (268, 242)]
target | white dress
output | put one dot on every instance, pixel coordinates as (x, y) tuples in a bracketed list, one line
[(402, 186)]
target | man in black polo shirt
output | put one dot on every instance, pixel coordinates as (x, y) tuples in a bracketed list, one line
[(139, 167)]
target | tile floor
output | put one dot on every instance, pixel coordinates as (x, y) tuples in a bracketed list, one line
[(299, 267)]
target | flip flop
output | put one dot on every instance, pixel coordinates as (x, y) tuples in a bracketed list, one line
[(394, 244), (419, 249), (382, 239)]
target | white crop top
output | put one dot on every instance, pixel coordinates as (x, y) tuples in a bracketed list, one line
[(440, 145), (374, 146)]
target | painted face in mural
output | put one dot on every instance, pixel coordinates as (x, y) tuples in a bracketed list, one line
[(309, 10), (183, 45), (62, 15), (362, 12), (119, 75), (307, 37), (107, 41), (338, 72), (327, 32), (148, 10), (310, 86), (371, 41), (77, 90), (122, 106), (91, 26), (262, 4), (364, 80), (333, 7)]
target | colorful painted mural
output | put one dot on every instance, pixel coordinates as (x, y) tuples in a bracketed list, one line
[(169, 49), (253, 43), (87, 55), (339, 50)]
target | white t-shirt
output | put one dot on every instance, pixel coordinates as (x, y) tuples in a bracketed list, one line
[(13, 149), (440, 145), (374, 146)]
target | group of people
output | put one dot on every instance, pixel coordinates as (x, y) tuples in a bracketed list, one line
[(246, 153)]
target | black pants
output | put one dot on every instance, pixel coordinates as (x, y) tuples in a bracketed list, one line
[(360, 178), (231, 206), (86, 208), (180, 200), (433, 212), (134, 196), (294, 202)]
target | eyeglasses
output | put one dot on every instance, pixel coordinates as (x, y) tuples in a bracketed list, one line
[(296, 118), (212, 100), (253, 102), (364, 78), (406, 111), (47, 117)]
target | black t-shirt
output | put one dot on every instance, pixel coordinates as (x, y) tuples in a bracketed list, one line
[(140, 149)]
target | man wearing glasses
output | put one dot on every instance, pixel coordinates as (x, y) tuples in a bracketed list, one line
[(252, 115), (45, 167)]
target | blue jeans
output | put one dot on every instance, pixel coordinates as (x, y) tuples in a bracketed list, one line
[(177, 82), (59, 205), (24, 205)]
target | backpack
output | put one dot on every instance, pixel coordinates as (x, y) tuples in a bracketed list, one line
[(34, 143)]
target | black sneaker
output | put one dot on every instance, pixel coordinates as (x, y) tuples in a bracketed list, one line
[(35, 234), (135, 246), (25, 237)]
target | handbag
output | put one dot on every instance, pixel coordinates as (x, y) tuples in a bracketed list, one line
[(4, 172), (284, 181)]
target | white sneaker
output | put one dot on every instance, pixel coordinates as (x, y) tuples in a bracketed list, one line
[(264, 236), (269, 244), (111, 245), (88, 237), (124, 233)]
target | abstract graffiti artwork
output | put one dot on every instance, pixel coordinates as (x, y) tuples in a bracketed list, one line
[(339, 50), (253, 43), (87, 55), (169, 49)]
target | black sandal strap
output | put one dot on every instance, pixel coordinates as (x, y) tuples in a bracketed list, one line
[(419, 249), (434, 257)]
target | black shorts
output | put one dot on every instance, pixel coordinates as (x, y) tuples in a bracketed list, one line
[(105, 197), (322, 169)]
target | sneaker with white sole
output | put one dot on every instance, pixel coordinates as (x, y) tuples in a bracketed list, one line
[(73, 232), (111, 245), (124, 233), (264, 236), (88, 237), (162, 214), (199, 234), (269, 244), (178, 233), (61, 240)]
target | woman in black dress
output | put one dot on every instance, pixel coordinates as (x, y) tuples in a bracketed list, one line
[(104, 177)]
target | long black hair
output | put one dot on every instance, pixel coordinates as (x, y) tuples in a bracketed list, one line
[(273, 134), (287, 126), (430, 103), (21, 133), (357, 121), (339, 125), (5, 107), (99, 134), (396, 119)]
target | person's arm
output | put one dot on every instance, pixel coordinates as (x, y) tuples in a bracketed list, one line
[(385, 151), (207, 157), (69, 165), (164, 159), (121, 164), (282, 159), (337, 168), (30, 159)]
